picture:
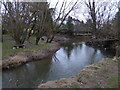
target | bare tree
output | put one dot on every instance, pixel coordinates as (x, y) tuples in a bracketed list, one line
[(101, 14), (19, 18), (42, 18), (91, 6), (118, 21), (60, 16)]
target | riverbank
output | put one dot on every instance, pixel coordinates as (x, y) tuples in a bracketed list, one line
[(29, 55), (12, 58), (103, 74)]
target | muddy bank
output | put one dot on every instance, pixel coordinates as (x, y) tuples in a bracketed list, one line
[(25, 57), (100, 75)]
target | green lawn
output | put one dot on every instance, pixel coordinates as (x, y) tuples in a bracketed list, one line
[(7, 46)]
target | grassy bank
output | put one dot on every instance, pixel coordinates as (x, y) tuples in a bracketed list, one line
[(100, 75), (15, 57), (30, 54), (8, 43), (7, 51)]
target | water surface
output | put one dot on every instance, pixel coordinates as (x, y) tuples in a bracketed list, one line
[(67, 61)]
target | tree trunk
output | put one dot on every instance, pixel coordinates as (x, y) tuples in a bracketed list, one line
[(93, 14), (47, 41), (37, 40), (118, 22), (23, 40), (51, 39)]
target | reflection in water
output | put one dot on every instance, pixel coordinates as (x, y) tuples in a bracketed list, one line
[(67, 61), (26, 75)]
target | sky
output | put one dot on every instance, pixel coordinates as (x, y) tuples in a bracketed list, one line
[(81, 13)]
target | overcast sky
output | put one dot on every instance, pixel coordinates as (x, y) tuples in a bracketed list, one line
[(81, 13), (78, 13)]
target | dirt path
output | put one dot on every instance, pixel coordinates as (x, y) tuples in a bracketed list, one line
[(100, 75)]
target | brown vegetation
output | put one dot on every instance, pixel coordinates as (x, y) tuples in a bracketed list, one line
[(100, 75), (23, 58)]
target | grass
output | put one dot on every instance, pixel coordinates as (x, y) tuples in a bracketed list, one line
[(74, 85), (104, 74), (82, 79), (113, 81), (97, 85), (7, 47)]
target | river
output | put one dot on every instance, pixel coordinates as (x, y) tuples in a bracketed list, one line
[(67, 61)]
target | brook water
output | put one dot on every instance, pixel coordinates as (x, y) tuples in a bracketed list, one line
[(67, 61)]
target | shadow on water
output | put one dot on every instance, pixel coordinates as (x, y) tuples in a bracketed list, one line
[(27, 75), (67, 61)]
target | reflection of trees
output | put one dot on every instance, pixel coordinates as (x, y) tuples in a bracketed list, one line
[(68, 47), (68, 50), (107, 52), (93, 56), (27, 75), (80, 45), (55, 57), (39, 71)]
